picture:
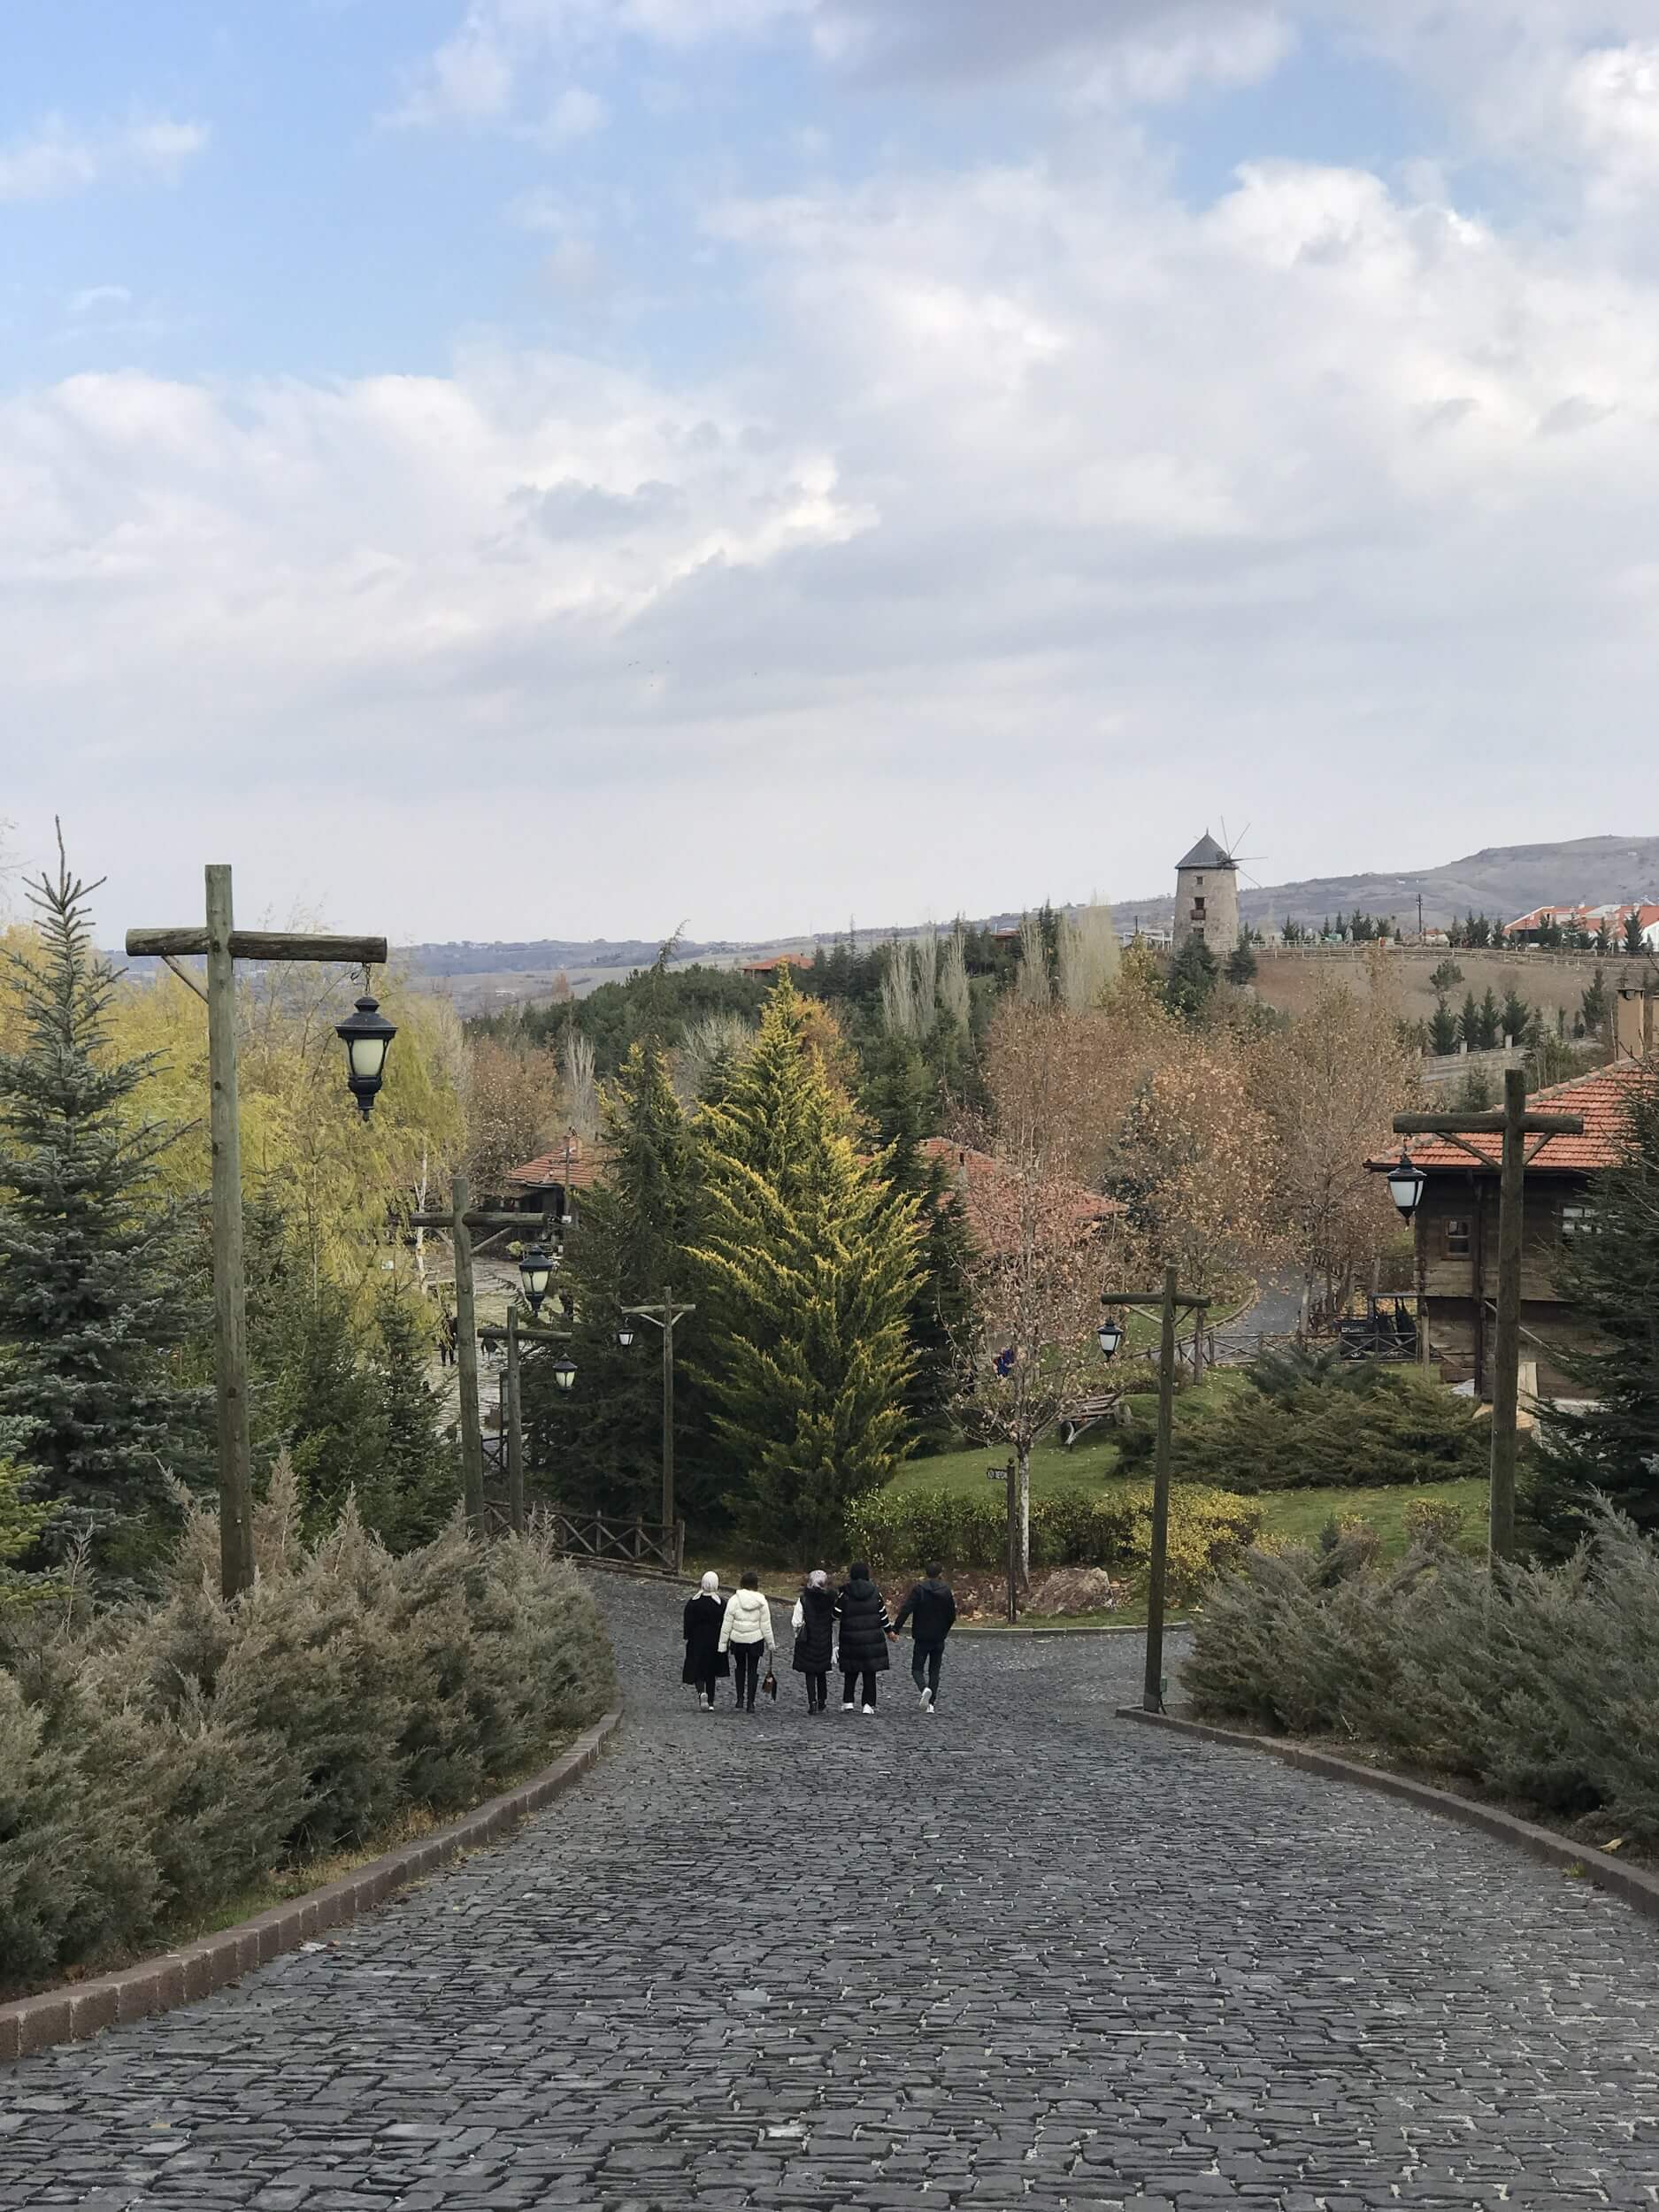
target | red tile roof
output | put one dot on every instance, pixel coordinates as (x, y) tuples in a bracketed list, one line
[(779, 960), (586, 1166), (1599, 1097)]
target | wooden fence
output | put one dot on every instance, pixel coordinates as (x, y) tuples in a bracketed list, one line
[(647, 1546)]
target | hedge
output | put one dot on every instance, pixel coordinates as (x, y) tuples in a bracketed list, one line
[(1538, 1686), (161, 1760), (901, 1530)]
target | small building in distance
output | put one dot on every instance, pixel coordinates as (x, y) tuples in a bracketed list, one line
[(1586, 921), (770, 967), (1207, 897)]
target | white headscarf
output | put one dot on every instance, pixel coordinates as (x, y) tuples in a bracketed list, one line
[(817, 1578), (710, 1583)]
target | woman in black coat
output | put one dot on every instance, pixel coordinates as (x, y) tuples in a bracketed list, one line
[(865, 1629), (705, 1662), (814, 1623)]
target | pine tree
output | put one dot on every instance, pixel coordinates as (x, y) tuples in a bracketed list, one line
[(899, 1099), (94, 1301), (1595, 1006), (603, 1443), (1469, 1024), (1491, 1019), (1242, 960), (1610, 1277), (418, 1483), (806, 1271), (1516, 1015), (1442, 1029), (1635, 941), (325, 1401), (1193, 973)]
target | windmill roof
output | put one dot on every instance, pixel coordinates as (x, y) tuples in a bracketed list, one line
[(1207, 854)]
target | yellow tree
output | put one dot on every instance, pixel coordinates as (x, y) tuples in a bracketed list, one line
[(1328, 1088), (1195, 1165)]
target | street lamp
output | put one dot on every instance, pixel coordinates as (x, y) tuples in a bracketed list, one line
[(366, 1036), (624, 1337), (1406, 1182), (564, 1372), (1110, 1333), (536, 1271)]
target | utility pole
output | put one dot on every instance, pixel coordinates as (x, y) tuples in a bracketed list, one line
[(1169, 1303), (665, 1315), (1512, 1126), (224, 944), (458, 1225)]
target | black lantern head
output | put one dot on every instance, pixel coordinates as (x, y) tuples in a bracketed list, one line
[(625, 1335), (564, 1372), (1405, 1185), (1110, 1333), (536, 1271), (365, 1036)]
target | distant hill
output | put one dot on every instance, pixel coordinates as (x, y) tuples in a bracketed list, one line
[(1502, 881)]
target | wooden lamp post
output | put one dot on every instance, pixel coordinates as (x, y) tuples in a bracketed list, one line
[(664, 1316), (1514, 1124), (366, 1037), (1168, 1301)]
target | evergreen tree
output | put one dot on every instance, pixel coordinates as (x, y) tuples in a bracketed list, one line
[(1242, 960), (807, 1271), (1516, 1015), (94, 1301), (1609, 1443), (1469, 1024), (601, 1444), (418, 1474), (1442, 1029), (326, 1405), (1193, 973), (1595, 1006), (1634, 941), (1491, 1020), (898, 1099)]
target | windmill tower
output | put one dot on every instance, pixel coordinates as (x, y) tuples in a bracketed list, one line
[(1207, 897)]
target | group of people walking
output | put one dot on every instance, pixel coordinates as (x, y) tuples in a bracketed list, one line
[(846, 1630)]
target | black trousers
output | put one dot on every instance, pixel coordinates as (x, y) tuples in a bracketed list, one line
[(706, 1686), (746, 1670), (816, 1688), (924, 1659), (870, 1685)]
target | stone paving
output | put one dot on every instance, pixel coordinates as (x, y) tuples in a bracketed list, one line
[(1018, 1955)]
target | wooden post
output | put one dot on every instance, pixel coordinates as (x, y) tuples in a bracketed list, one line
[(230, 1297), (515, 1426), (668, 1405), (1014, 1529), (1152, 1696), (1198, 1348), (1506, 1351), (680, 1547), (467, 1361)]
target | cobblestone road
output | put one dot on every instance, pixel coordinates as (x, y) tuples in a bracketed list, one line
[(1020, 1955)]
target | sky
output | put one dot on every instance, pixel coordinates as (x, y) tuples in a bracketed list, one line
[(518, 468)]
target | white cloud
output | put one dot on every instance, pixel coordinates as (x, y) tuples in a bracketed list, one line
[(575, 113), (1317, 490), (94, 297), (53, 159)]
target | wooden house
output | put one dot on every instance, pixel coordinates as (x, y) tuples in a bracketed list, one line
[(1456, 1229)]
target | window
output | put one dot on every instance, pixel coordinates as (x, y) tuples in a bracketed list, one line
[(1578, 1221), (1198, 907), (1457, 1237)]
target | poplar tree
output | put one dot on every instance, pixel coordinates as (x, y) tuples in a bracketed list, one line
[(94, 1298), (807, 1271)]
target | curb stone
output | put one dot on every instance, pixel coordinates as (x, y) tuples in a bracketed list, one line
[(1638, 1889), (196, 1969)]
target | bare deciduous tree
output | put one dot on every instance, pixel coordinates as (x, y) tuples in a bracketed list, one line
[(581, 1089), (1088, 957)]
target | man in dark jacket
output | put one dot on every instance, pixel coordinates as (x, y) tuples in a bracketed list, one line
[(930, 1610)]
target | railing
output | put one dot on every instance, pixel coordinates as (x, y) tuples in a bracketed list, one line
[(647, 1546)]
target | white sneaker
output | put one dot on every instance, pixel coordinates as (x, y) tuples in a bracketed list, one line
[(927, 1701), (702, 1701), (869, 1709), (849, 1707)]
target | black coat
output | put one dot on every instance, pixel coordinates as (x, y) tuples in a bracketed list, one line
[(705, 1659), (930, 1610), (813, 1645), (863, 1619)]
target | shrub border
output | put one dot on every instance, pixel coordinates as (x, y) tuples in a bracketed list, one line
[(1638, 1889), (71, 2012)]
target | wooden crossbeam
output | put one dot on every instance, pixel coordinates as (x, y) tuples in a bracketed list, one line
[(1151, 1298), (258, 944), (1487, 1125)]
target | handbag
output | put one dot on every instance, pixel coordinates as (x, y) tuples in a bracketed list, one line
[(770, 1686)]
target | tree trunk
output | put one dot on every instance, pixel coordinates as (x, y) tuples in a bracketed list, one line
[(1024, 1516)]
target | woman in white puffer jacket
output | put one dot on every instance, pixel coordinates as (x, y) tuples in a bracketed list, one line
[(746, 1632)]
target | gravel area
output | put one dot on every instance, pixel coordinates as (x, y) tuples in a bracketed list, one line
[(1020, 1953)]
